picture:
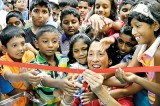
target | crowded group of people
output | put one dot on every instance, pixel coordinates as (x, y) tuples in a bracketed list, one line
[(86, 35)]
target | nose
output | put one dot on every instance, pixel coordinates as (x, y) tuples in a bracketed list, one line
[(126, 15), (134, 31), (95, 58), (123, 47), (40, 14), (81, 52), (50, 44), (21, 48), (100, 10), (70, 24)]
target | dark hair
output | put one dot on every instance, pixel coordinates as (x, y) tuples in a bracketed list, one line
[(74, 39), (91, 2), (7, 4), (113, 12), (71, 3), (46, 28), (54, 5), (69, 11), (16, 14), (127, 30), (41, 3), (142, 18), (85, 1), (9, 32), (125, 2)]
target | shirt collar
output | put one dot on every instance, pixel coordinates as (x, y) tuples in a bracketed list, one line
[(65, 37)]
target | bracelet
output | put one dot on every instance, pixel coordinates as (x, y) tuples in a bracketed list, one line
[(108, 99), (64, 101)]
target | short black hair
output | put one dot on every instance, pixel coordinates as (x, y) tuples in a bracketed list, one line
[(127, 30), (54, 5), (16, 14), (9, 32), (46, 28), (41, 3), (69, 11), (74, 39), (85, 1), (71, 3), (125, 2)]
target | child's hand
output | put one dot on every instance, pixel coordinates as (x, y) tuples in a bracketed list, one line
[(124, 77), (31, 77), (23, 70), (88, 97), (30, 47), (106, 42)]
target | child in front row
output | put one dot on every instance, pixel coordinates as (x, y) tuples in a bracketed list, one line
[(52, 81), (13, 43)]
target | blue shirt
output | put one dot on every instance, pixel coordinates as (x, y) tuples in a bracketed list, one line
[(5, 86)]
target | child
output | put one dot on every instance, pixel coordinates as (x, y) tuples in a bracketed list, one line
[(70, 21), (20, 5), (105, 18), (52, 82), (83, 8), (40, 13), (124, 9), (145, 28), (13, 43), (14, 18), (55, 11)]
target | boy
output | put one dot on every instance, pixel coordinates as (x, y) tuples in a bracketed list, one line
[(48, 43), (55, 11), (40, 13), (70, 22), (83, 8), (21, 5), (13, 43)]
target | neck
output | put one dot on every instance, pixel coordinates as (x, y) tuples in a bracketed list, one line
[(34, 29), (49, 59), (21, 10)]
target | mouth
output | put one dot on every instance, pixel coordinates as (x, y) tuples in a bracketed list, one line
[(96, 66), (71, 30), (50, 51), (122, 52)]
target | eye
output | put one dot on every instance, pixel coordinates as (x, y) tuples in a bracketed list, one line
[(129, 44), (97, 6), (35, 10), (14, 45), (120, 41), (45, 41), (55, 41), (17, 23), (45, 12), (124, 10)]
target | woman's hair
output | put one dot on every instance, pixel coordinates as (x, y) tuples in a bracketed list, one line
[(113, 12), (74, 39), (153, 8)]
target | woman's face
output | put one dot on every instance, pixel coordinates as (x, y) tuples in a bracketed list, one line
[(96, 57)]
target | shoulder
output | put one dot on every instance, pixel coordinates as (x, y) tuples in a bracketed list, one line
[(28, 56), (156, 56)]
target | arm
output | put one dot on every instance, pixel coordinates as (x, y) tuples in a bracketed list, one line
[(123, 92)]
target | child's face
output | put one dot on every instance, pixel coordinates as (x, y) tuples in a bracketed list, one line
[(83, 9), (48, 43), (16, 47), (124, 11), (125, 44), (103, 7), (143, 32), (40, 15), (14, 21), (96, 57), (6, 8), (70, 24), (55, 14), (21, 4), (80, 51)]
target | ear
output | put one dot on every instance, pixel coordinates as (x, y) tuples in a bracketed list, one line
[(109, 61), (36, 43), (156, 26), (4, 48)]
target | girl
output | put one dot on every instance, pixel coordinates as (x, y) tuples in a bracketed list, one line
[(78, 60), (105, 18), (146, 31)]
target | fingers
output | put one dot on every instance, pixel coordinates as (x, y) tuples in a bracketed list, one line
[(120, 75)]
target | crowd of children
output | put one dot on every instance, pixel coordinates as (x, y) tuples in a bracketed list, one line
[(80, 34)]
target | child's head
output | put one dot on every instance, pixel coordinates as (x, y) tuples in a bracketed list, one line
[(55, 11), (40, 12), (83, 8), (70, 21), (20, 4), (124, 9), (98, 58), (15, 18), (106, 8), (126, 40), (92, 34), (47, 40), (144, 20), (79, 48), (6, 6), (67, 3), (13, 42)]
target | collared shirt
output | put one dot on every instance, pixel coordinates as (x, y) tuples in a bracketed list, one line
[(146, 57), (46, 93)]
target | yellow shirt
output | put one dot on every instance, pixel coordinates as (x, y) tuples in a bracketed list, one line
[(27, 57)]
